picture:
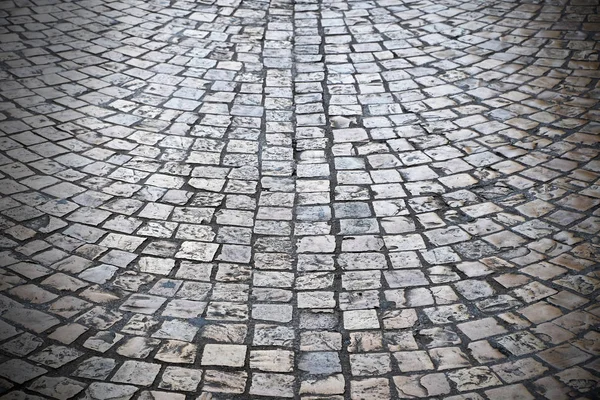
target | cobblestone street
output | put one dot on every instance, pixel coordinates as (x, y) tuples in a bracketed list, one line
[(311, 199)]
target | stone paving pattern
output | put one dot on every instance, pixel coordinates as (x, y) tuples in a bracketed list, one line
[(234, 199)]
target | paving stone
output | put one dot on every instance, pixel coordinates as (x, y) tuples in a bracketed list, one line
[(333, 384), (20, 371), (102, 341), (176, 351), (319, 363), (56, 356), (510, 392), (95, 368), (578, 379), (350, 200), (180, 379), (563, 356), (224, 354), (519, 370), (224, 382), (421, 385), (34, 320), (273, 385), (272, 360), (360, 319), (144, 304), (60, 388), (158, 395), (68, 333), (520, 343), (105, 391), (22, 344), (136, 372), (481, 328), (449, 358), (370, 364), (364, 388), (474, 378), (137, 347)]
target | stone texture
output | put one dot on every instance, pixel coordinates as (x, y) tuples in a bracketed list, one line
[(363, 200)]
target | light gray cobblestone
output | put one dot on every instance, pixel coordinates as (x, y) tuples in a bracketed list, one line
[(234, 199)]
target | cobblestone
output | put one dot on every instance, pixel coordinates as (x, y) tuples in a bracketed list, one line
[(233, 199)]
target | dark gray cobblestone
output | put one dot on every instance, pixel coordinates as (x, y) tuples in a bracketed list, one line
[(226, 199)]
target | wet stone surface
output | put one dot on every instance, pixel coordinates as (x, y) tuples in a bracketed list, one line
[(234, 199)]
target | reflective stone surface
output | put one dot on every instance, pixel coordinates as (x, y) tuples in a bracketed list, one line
[(226, 199)]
